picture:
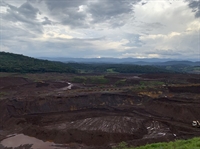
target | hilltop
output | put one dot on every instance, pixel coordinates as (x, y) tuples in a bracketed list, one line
[(10, 62)]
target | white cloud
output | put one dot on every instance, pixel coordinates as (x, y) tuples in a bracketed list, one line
[(85, 28), (110, 45)]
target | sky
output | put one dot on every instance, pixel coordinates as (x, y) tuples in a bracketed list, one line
[(101, 28)]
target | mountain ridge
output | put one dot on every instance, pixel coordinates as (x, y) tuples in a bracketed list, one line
[(137, 61)]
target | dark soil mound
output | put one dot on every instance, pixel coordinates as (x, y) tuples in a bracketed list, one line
[(10, 81)]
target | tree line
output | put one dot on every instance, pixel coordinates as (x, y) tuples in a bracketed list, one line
[(10, 62)]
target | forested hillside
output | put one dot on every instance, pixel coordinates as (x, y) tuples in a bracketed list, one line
[(10, 62), (117, 68)]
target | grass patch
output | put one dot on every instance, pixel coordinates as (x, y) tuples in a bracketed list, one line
[(111, 70), (2, 94), (148, 86), (78, 79), (121, 82), (179, 144), (90, 80), (151, 83)]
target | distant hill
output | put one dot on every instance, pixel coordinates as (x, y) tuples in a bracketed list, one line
[(189, 63), (117, 68), (180, 66), (106, 60), (136, 61), (10, 62)]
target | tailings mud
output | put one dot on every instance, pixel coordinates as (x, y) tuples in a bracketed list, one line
[(96, 119)]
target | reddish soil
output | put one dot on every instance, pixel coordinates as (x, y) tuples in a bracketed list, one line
[(98, 118)]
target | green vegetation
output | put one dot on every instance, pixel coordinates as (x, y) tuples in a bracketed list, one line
[(139, 69), (78, 79), (178, 144), (151, 83), (181, 68), (90, 80), (2, 94), (148, 85), (121, 82), (18, 63), (111, 70), (197, 68), (117, 68)]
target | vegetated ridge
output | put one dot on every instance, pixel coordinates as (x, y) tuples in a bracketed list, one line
[(10, 62), (117, 68), (138, 61), (182, 66)]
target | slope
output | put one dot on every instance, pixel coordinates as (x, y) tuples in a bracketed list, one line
[(10, 62)]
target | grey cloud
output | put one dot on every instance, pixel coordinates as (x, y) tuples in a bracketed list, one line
[(148, 28), (73, 18), (81, 39), (143, 3), (112, 12), (116, 23), (151, 26), (28, 10), (168, 52), (155, 25), (16, 39), (64, 4), (2, 3), (66, 12), (22, 29), (134, 40), (195, 6), (25, 14), (55, 47), (46, 21), (107, 9), (31, 25), (52, 47), (14, 33), (34, 1), (91, 39)]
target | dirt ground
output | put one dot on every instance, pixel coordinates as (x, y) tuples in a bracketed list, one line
[(51, 108)]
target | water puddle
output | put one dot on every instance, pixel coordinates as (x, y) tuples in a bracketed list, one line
[(15, 140)]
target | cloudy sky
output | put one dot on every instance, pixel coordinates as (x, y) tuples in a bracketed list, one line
[(101, 28)]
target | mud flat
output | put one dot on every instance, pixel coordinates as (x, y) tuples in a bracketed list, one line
[(81, 117)]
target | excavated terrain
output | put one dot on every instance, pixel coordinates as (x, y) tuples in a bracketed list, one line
[(73, 115)]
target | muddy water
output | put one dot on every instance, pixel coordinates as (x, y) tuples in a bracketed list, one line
[(15, 140)]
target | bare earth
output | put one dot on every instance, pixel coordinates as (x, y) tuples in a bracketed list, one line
[(73, 115)]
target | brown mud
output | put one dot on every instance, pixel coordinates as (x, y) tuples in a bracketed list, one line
[(99, 117)]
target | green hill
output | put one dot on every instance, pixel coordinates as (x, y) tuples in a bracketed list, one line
[(10, 62), (117, 68)]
